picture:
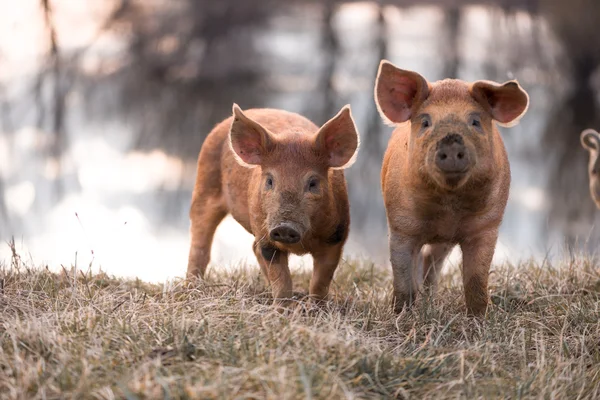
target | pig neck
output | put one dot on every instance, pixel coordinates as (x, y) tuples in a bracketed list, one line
[(471, 197), (331, 213)]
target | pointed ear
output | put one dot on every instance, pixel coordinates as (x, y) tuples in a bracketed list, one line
[(506, 102), (248, 140), (338, 140), (590, 140), (398, 93)]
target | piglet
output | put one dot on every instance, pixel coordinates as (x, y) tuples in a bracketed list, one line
[(590, 140), (281, 177), (445, 176)]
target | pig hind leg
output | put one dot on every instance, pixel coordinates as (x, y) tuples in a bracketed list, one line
[(433, 256), (206, 214)]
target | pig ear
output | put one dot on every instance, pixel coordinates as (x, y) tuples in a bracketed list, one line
[(248, 140), (339, 140), (398, 92), (506, 102), (590, 140)]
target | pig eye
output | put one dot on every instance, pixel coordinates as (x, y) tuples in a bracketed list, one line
[(313, 185), (269, 183), (475, 122), (425, 122)]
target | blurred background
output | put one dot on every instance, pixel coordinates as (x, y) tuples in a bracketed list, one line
[(104, 105)]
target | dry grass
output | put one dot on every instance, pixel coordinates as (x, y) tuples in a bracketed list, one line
[(93, 336)]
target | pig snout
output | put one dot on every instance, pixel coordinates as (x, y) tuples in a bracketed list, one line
[(452, 156), (285, 233)]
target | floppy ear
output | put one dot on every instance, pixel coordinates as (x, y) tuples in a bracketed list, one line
[(248, 140), (338, 140), (590, 140), (506, 102), (398, 92)]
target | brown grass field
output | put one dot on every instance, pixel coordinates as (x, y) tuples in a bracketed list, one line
[(77, 335)]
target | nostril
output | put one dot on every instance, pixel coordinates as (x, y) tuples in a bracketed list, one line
[(443, 156), (460, 155)]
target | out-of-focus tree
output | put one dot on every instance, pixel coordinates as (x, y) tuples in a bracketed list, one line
[(184, 63), (574, 24)]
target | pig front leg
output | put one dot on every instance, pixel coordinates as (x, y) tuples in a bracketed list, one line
[(477, 252), (274, 265), (403, 256), (325, 263)]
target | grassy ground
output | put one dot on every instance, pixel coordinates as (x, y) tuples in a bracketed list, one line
[(93, 336)]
